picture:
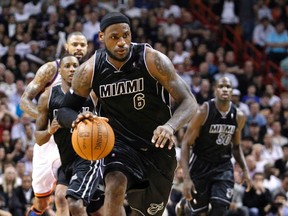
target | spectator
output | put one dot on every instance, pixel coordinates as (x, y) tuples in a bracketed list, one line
[(255, 115), (15, 153), (92, 26), (3, 160), (8, 86), (180, 53), (270, 92), (247, 16), (277, 137), (279, 205), (251, 95), (210, 59), (246, 144), (20, 14), (282, 163), (18, 129), (131, 10), (6, 141), (258, 198), (277, 42), (33, 7), (171, 27), (284, 77), (196, 83), (263, 11), (223, 73), (257, 152), (261, 31), (271, 180), (205, 92), (27, 159), (8, 182), (22, 197), (271, 152), (236, 96), (284, 186)]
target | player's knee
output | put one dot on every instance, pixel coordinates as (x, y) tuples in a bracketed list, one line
[(60, 196), (75, 205), (218, 208), (116, 181)]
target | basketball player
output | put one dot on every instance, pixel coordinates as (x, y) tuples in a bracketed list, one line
[(214, 134), (81, 176), (46, 165), (132, 83)]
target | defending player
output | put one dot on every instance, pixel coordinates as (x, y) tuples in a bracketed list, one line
[(81, 176), (45, 165)]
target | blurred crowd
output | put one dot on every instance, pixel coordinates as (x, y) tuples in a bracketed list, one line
[(34, 32)]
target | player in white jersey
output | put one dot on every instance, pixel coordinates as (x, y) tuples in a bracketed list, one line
[(46, 158)]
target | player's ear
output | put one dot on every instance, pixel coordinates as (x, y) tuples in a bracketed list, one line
[(66, 47), (101, 36)]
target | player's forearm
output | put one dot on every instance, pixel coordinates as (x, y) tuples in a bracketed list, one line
[(29, 107), (184, 161), (184, 113), (42, 137), (239, 157)]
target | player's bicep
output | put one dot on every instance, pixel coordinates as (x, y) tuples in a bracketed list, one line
[(241, 120), (162, 69), (81, 83), (33, 89), (42, 119), (43, 76)]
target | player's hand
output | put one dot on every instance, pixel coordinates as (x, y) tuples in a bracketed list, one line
[(188, 186), (246, 179), (53, 127), (162, 136), (86, 115)]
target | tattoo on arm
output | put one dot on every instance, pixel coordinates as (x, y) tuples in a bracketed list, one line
[(81, 83), (162, 66)]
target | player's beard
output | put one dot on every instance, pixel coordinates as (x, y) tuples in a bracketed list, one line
[(111, 55)]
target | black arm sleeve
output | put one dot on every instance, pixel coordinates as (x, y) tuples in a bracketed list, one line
[(66, 116), (68, 111)]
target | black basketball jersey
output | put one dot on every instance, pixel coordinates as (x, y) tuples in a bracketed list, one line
[(214, 143), (62, 136), (130, 97)]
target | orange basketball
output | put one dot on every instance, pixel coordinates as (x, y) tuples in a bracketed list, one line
[(93, 139)]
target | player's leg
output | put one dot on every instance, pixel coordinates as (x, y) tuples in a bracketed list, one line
[(61, 202), (222, 192), (44, 174), (150, 194), (115, 189), (83, 177), (76, 207), (40, 205)]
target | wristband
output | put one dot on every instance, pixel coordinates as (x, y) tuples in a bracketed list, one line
[(49, 132), (174, 130)]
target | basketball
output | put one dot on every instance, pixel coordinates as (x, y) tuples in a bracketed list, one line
[(93, 139)]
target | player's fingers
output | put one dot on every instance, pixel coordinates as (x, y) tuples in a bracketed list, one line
[(162, 139), (187, 194), (103, 118), (248, 187)]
